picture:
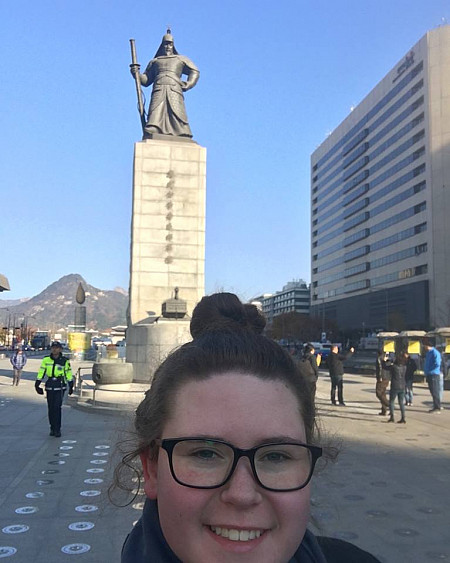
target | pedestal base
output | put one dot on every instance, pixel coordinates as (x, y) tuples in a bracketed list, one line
[(148, 344)]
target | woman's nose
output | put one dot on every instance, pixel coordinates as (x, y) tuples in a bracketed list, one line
[(242, 489)]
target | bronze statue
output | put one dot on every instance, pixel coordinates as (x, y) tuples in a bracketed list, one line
[(167, 113)]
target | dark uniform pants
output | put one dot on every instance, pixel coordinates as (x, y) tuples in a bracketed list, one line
[(380, 391), (337, 383), (55, 394)]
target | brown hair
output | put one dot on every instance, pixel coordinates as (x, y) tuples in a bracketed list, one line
[(227, 336)]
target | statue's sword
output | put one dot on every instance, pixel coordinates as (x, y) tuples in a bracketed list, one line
[(137, 78)]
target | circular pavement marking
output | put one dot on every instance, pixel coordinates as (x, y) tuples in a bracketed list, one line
[(57, 462), (26, 510), (61, 454), (138, 505), (49, 471), (436, 555), (94, 481), (377, 513), (42, 482), (406, 532), (66, 447), (69, 441), (6, 551), (86, 508), (36, 494), (15, 529), (81, 526), (102, 447), (90, 493), (75, 548), (97, 461), (100, 454), (428, 510), (95, 470), (403, 495)]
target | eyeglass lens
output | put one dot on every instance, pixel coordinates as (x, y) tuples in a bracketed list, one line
[(205, 463)]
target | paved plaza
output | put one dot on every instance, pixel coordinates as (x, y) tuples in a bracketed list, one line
[(388, 492)]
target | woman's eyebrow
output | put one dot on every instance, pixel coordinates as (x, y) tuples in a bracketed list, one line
[(278, 439)]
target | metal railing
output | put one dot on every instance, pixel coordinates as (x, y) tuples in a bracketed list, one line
[(79, 377)]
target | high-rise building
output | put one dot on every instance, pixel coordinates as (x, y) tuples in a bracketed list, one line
[(380, 193)]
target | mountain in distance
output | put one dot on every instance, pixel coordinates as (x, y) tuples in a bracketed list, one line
[(13, 302), (55, 306)]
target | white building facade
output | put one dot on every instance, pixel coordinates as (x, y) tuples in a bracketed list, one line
[(380, 201), (294, 297)]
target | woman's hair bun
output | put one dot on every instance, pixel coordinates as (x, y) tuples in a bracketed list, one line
[(224, 311)]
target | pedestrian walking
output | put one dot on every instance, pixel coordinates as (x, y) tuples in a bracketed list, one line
[(411, 367), (18, 361), (336, 369), (432, 370), (397, 369), (56, 368), (383, 378), (308, 367)]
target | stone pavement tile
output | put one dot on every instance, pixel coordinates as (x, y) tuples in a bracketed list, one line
[(43, 495), (388, 490)]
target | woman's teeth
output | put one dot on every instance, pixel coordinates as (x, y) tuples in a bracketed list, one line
[(237, 535)]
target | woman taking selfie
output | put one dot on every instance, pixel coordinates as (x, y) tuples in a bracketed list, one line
[(227, 440)]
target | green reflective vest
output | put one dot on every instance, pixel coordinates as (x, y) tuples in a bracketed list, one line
[(59, 367)]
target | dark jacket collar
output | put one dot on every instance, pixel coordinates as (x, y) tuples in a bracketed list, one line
[(146, 543)]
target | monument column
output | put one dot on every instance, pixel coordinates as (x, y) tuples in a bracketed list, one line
[(168, 225)]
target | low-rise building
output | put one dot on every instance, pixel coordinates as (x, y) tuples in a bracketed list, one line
[(294, 297)]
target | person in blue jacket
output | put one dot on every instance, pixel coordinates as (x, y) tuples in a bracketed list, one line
[(227, 442), (432, 370)]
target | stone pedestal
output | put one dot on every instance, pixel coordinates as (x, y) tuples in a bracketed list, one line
[(168, 226), (149, 343)]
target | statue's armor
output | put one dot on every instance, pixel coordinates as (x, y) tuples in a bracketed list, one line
[(167, 113)]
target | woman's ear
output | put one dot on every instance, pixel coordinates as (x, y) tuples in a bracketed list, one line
[(150, 470)]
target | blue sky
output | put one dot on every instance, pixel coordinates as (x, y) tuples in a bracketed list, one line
[(275, 79)]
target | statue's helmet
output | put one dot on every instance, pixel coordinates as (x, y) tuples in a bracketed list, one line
[(166, 37)]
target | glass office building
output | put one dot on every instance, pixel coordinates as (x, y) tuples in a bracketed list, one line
[(380, 201)]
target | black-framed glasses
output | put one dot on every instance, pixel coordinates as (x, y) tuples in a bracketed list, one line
[(203, 463)]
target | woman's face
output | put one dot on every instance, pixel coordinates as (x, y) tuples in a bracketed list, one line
[(244, 411)]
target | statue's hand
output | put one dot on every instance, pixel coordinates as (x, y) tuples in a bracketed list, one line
[(184, 85), (134, 69)]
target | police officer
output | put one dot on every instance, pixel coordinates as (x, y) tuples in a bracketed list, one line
[(59, 374)]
